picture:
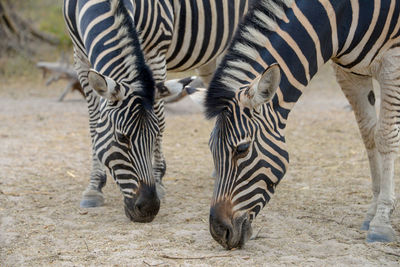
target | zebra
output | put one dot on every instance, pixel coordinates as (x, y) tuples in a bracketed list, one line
[(122, 50), (279, 46)]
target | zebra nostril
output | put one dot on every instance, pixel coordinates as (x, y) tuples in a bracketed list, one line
[(147, 203), (140, 206), (227, 234), (221, 228)]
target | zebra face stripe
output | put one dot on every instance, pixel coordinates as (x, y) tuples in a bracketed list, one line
[(124, 143), (248, 164)]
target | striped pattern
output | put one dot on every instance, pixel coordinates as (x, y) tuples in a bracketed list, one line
[(248, 178), (361, 37), (105, 39), (131, 44), (204, 30)]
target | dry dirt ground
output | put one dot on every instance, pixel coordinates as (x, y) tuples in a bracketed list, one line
[(313, 220)]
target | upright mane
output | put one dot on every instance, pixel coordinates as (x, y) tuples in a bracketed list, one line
[(262, 16), (128, 63)]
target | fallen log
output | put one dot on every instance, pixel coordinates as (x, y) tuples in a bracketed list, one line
[(61, 70)]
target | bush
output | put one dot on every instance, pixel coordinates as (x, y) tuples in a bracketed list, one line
[(47, 16)]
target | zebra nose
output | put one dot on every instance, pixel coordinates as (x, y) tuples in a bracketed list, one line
[(229, 230), (221, 229), (145, 206), (148, 203)]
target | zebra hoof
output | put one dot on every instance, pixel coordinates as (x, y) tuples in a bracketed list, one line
[(382, 234), (91, 199), (365, 225)]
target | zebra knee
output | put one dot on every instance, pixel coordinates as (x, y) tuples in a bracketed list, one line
[(387, 139)]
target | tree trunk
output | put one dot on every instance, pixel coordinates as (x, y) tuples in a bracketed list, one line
[(16, 33)]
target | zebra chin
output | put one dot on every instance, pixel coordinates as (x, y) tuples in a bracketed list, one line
[(144, 206), (228, 229)]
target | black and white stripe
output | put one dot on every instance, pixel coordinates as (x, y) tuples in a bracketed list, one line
[(287, 41), (123, 50)]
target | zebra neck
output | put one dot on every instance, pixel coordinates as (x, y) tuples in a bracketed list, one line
[(300, 37), (302, 41), (112, 45)]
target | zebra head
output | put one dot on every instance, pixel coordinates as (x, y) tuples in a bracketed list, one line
[(247, 151), (124, 142)]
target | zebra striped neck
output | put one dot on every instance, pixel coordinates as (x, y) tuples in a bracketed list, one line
[(299, 36), (114, 48)]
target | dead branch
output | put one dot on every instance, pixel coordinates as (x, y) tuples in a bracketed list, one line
[(194, 258), (61, 70)]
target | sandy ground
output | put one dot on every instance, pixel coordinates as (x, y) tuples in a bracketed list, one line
[(313, 220)]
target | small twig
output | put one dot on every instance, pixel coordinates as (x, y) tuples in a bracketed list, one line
[(390, 253), (198, 257), (86, 245), (341, 221), (256, 235), (150, 264), (71, 174)]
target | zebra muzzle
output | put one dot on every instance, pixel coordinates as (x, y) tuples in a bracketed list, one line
[(144, 206), (229, 230)]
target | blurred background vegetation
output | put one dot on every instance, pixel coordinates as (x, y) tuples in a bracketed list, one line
[(45, 17)]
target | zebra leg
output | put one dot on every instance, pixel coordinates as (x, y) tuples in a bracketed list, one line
[(159, 164), (92, 196), (387, 139), (206, 72), (359, 92)]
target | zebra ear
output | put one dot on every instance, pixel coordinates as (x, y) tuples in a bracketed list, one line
[(173, 90), (264, 88), (104, 86)]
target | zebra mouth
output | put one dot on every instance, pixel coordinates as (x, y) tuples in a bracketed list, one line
[(243, 232), (135, 215)]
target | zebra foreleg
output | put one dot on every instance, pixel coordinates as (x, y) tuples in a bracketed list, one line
[(159, 164), (359, 92), (92, 196), (206, 72), (387, 140)]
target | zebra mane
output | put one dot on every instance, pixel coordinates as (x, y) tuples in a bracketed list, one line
[(137, 73), (232, 73)]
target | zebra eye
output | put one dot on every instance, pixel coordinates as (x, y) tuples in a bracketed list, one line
[(242, 148)]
